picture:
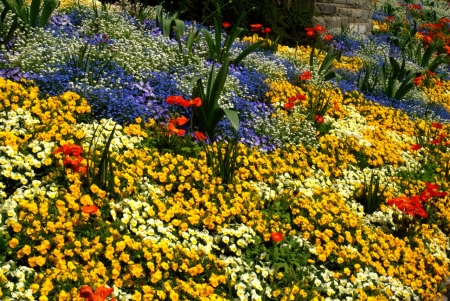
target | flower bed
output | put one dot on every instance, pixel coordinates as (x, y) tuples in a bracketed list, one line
[(141, 164)]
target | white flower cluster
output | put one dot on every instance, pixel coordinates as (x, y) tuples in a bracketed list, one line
[(248, 285), (437, 248), (16, 166), (384, 220), (42, 148), (8, 214), (17, 279), (121, 295), (234, 240), (353, 177), (264, 191), (344, 289), (272, 69), (17, 122), (370, 50), (136, 216), (351, 126), (42, 51), (98, 134), (294, 129)]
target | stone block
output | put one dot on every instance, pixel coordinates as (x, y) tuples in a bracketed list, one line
[(357, 14), (334, 13), (344, 12), (335, 22), (319, 20), (352, 3), (326, 9)]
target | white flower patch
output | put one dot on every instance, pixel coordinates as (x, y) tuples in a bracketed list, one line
[(350, 126), (98, 134), (19, 278), (121, 295), (248, 284), (272, 69), (343, 289), (8, 208), (16, 166), (18, 122), (234, 239)]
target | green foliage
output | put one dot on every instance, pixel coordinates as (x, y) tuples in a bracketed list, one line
[(324, 72), (288, 256), (209, 113), (100, 172), (369, 82), (278, 209), (412, 177), (216, 53), (7, 29), (170, 22), (37, 14), (88, 60), (4, 238), (396, 80), (371, 195), (403, 36), (286, 18), (138, 10), (221, 158), (425, 60), (160, 138), (318, 102)]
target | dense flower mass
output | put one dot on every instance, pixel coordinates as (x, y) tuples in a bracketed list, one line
[(323, 179)]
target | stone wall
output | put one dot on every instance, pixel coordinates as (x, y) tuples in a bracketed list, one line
[(357, 14)]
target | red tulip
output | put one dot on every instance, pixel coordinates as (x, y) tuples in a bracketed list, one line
[(305, 75), (289, 105), (89, 209), (318, 119), (416, 147), (255, 27), (276, 236), (436, 125), (199, 136)]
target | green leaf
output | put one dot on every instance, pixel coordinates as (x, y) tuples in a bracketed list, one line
[(428, 54), (159, 15), (34, 12), (218, 84), (101, 178), (383, 77), (327, 61), (210, 42), (440, 59), (406, 85), (179, 27), (392, 87), (191, 38), (6, 5), (330, 75), (47, 11), (218, 31), (312, 56), (234, 118), (166, 26)]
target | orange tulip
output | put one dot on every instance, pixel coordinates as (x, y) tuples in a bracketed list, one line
[(91, 209)]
